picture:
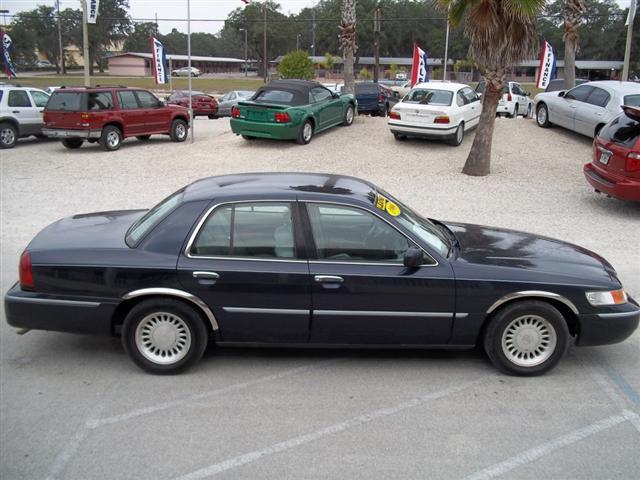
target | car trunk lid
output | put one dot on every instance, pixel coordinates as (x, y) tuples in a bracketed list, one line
[(416, 113), (260, 112), (65, 109)]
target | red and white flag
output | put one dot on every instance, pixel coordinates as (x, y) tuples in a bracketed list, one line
[(419, 70)]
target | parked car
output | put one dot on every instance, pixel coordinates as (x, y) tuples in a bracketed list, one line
[(44, 64), (374, 98), (302, 259), (401, 76), (615, 168), (108, 115), (184, 72), (291, 110), (335, 87), (202, 104), (557, 84), (585, 109), (514, 101), (50, 90), (20, 113), (402, 89), (231, 99), (436, 110)]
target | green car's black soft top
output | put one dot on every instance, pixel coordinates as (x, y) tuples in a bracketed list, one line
[(299, 88)]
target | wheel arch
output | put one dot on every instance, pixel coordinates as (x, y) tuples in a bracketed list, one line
[(12, 121), (599, 126), (115, 123)]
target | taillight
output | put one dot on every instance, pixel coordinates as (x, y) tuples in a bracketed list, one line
[(26, 275), (45, 117), (235, 112), (282, 117), (394, 115), (509, 97), (381, 98), (86, 119), (633, 162), (442, 119)]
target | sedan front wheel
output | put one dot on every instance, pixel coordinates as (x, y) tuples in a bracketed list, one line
[(542, 116)]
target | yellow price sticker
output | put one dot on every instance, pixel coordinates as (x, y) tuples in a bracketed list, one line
[(392, 209), (381, 202)]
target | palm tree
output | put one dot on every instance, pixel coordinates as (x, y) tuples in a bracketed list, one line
[(348, 41), (572, 13), (501, 33), (329, 62)]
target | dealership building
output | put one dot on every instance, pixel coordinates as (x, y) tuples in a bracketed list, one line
[(134, 64)]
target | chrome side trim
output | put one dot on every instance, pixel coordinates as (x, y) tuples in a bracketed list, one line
[(619, 315), (462, 315), (534, 294), (172, 292), (377, 313), (53, 301), (279, 311)]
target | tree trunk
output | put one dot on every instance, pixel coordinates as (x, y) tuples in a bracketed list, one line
[(570, 45), (349, 79), (478, 162)]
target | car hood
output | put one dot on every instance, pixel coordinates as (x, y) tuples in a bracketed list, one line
[(497, 247), (89, 230)]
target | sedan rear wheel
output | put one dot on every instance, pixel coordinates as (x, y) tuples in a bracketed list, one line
[(179, 130), (457, 138), (542, 116), (306, 133), (111, 138), (527, 338), (164, 336)]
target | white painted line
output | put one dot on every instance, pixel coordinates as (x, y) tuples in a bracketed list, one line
[(294, 442), (96, 423), (535, 453)]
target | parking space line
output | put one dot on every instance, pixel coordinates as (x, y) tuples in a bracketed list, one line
[(622, 384), (294, 442), (546, 448), (96, 423)]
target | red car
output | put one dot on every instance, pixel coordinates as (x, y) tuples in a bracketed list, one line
[(615, 169), (202, 104), (108, 115)]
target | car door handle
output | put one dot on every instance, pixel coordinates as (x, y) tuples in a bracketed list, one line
[(206, 278), (328, 279), (15, 111)]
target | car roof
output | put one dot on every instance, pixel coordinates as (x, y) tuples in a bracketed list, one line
[(300, 85), (261, 185), (616, 86), (9, 86), (449, 86)]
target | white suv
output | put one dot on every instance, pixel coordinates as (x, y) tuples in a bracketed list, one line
[(514, 101), (20, 113)]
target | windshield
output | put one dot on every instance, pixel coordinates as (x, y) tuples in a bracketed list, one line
[(152, 218), (427, 96), (422, 227)]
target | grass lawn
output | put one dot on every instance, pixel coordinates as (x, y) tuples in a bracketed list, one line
[(208, 84)]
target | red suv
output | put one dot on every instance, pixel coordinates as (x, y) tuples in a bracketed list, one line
[(615, 169), (108, 115)]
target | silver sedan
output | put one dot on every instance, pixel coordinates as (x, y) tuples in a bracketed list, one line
[(231, 99), (586, 108)]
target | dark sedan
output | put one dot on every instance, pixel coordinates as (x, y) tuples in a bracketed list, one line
[(203, 105), (301, 259)]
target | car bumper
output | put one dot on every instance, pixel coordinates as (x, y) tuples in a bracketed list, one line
[(444, 131), (609, 327), (36, 311), (277, 131), (613, 185), (69, 133), (504, 109)]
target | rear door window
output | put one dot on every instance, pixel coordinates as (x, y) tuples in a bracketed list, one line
[(598, 97), (579, 94), (65, 101), (127, 100), (99, 101), (148, 99), (18, 98)]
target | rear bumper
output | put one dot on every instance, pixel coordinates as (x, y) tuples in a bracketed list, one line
[(68, 133), (504, 109), (418, 131), (277, 131), (610, 327), (36, 311), (616, 186)]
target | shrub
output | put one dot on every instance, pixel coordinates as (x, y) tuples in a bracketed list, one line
[(296, 64)]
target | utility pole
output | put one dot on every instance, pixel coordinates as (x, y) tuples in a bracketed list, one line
[(63, 70), (246, 56), (191, 122), (85, 44), (446, 52), (627, 50), (377, 16), (298, 41), (313, 32), (265, 61)]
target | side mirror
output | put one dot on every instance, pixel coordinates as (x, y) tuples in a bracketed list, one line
[(413, 257), (561, 93), (336, 95)]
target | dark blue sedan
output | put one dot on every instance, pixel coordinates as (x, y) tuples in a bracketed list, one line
[(300, 259)]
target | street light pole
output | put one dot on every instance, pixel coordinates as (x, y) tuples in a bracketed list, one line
[(63, 70), (85, 44), (446, 52), (627, 51), (246, 58), (264, 43), (298, 42), (191, 122)]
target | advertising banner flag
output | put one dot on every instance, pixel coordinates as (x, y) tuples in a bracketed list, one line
[(547, 71), (7, 46), (160, 70), (92, 14), (419, 70)]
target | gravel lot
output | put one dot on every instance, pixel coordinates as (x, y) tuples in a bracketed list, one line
[(75, 407)]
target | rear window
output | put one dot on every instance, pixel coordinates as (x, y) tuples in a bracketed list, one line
[(632, 100), (153, 217), (100, 101), (275, 96), (426, 96), (65, 101), (622, 129), (366, 88)]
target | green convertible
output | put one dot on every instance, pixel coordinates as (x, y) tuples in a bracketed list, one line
[(291, 110)]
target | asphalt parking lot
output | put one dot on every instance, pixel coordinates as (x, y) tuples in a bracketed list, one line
[(75, 407)]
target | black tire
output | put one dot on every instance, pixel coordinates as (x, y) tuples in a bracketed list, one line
[(189, 332), (515, 111), (349, 115), (458, 137), (179, 130), (72, 143), (143, 138), (111, 138), (305, 135), (8, 135), (548, 323), (399, 137), (248, 137), (529, 111), (212, 117), (542, 119), (597, 130), (384, 111)]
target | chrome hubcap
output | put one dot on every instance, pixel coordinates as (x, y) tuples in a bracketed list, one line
[(459, 134), (307, 131), (181, 131), (349, 115), (542, 115), (113, 139), (529, 340), (163, 338), (7, 136)]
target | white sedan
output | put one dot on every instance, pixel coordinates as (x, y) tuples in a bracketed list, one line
[(588, 107), (184, 72), (438, 110)]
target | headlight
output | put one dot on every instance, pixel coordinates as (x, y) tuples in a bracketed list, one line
[(613, 297)]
